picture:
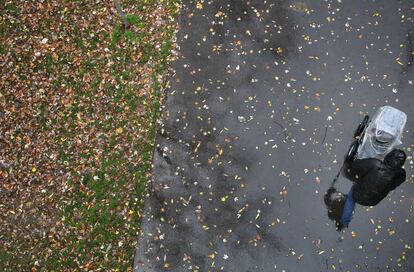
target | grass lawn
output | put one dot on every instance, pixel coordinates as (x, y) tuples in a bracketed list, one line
[(79, 100)]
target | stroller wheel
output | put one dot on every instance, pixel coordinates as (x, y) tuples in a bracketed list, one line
[(361, 127), (352, 151)]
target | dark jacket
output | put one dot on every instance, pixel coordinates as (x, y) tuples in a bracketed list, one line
[(375, 178)]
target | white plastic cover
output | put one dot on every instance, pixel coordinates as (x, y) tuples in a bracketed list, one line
[(383, 133)]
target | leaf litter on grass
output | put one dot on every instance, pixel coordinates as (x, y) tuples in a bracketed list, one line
[(79, 103)]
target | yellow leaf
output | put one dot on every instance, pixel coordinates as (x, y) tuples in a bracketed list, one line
[(119, 130)]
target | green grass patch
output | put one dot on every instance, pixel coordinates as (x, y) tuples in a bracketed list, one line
[(96, 122)]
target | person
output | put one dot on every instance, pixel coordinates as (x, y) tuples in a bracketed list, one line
[(374, 179)]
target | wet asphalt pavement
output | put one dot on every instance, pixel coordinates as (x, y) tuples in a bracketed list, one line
[(261, 110)]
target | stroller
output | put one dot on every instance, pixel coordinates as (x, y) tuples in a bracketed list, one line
[(375, 138)]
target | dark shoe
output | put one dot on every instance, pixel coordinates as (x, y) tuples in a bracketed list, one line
[(339, 226)]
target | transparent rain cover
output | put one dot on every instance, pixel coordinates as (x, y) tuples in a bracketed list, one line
[(383, 133)]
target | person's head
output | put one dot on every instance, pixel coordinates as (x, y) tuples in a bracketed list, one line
[(395, 159)]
